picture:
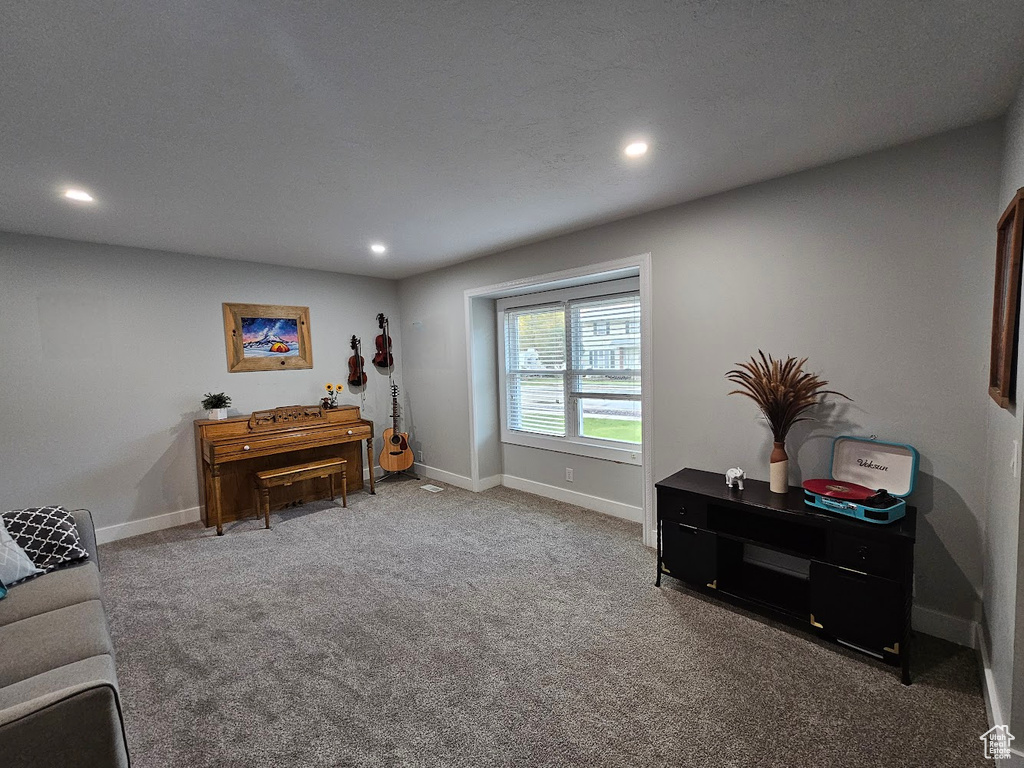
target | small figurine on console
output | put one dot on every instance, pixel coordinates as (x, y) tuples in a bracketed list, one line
[(735, 475)]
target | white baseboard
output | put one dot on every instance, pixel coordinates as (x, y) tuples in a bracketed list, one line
[(459, 481), (993, 707), (596, 503), (147, 525), (487, 482), (938, 624), (614, 508), (992, 704), (167, 520)]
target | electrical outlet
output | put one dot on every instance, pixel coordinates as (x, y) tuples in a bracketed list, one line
[(568, 474), (1015, 459), (423, 457)]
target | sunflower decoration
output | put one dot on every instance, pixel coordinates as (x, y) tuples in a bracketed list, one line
[(331, 401)]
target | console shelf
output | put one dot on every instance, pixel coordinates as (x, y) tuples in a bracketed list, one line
[(845, 579)]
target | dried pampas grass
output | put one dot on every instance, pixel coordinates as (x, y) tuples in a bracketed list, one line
[(782, 390)]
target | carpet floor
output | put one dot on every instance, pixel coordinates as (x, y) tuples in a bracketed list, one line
[(493, 629)]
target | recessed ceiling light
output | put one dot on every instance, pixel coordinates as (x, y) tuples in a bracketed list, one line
[(78, 195), (636, 149), (378, 248)]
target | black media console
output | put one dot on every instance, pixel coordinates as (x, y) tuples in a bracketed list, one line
[(848, 580)]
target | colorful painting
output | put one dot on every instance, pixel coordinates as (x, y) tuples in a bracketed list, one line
[(270, 337), (267, 337)]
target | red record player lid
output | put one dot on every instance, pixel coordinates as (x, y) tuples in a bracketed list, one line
[(838, 489)]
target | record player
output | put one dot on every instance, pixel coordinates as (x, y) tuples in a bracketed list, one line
[(870, 480)]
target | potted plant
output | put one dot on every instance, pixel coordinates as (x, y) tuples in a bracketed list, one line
[(216, 405), (784, 392)]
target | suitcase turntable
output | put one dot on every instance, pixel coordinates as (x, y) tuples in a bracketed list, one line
[(860, 467)]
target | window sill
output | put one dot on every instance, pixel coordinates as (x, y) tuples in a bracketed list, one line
[(628, 454)]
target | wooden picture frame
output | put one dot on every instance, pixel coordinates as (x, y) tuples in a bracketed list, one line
[(1006, 303), (267, 337)]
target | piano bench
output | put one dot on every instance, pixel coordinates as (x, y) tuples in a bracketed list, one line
[(278, 478)]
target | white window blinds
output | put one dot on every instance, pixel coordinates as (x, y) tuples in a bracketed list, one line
[(572, 369), (606, 347), (535, 369)]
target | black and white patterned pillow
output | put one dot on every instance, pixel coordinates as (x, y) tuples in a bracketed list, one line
[(47, 534)]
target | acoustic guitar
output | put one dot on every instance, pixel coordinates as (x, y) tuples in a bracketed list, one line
[(396, 455)]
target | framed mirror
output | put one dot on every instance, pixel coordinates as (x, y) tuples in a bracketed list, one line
[(1006, 303)]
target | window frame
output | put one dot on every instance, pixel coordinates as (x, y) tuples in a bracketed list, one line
[(572, 443)]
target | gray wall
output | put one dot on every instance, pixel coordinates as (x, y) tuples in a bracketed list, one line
[(111, 350), (870, 267), (1004, 614), (485, 386), (596, 477)]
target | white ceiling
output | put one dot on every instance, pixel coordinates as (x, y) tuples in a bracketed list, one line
[(299, 132)]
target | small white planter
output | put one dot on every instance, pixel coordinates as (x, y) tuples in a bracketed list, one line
[(217, 413)]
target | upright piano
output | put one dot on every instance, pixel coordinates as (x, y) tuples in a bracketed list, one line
[(230, 451)]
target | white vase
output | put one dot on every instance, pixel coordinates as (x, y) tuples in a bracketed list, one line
[(217, 413), (778, 469)]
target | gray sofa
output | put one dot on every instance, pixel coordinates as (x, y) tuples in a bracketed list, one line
[(59, 702)]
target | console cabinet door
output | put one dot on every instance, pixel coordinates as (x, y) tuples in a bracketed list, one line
[(687, 508), (853, 606), (689, 553)]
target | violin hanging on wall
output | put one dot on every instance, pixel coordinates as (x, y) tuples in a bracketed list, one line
[(356, 371), (383, 357)]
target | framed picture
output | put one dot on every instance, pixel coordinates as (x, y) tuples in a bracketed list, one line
[(1006, 304), (266, 337)]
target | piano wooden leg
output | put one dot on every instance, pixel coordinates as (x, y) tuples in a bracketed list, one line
[(369, 461), (344, 486), (215, 472)]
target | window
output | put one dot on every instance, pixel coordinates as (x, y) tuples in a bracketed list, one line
[(571, 369), (535, 370)]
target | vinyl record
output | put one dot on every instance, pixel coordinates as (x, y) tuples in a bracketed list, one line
[(837, 489)]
